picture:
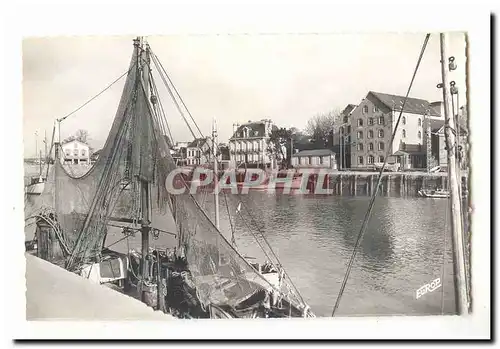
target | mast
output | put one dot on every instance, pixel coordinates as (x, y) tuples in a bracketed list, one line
[(40, 165), (45, 141), (36, 144), (144, 185), (216, 172), (456, 220)]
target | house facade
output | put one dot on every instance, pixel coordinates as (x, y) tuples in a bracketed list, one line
[(199, 152), (316, 158), (371, 124), (248, 145), (342, 138), (75, 152)]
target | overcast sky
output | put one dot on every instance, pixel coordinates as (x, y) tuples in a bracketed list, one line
[(235, 78)]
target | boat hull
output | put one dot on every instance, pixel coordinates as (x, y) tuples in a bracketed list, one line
[(35, 189)]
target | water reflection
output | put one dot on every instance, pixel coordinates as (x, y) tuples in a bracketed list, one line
[(314, 236)]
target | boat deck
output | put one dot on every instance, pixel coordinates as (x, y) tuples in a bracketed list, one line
[(53, 293)]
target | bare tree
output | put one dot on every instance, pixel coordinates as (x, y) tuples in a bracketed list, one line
[(320, 126), (80, 135)]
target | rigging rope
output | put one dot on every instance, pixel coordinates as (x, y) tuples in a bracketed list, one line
[(372, 201), (159, 66), (233, 241), (173, 86), (97, 95), (172, 95)]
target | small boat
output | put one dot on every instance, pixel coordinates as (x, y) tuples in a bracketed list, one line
[(434, 193), (36, 187)]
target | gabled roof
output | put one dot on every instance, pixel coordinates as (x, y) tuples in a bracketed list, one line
[(256, 129), (314, 152), (73, 141), (406, 148), (413, 105), (197, 143), (348, 109)]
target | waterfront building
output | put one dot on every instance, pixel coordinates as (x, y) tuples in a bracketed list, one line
[(342, 138), (199, 152), (75, 152), (315, 158), (249, 143), (370, 126)]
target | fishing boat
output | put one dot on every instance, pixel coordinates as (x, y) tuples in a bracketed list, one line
[(201, 274), (36, 186), (37, 183), (434, 193)]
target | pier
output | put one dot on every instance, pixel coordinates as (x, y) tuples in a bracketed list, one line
[(400, 184)]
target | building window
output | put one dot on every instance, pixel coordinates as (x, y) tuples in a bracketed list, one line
[(360, 160), (75, 145), (380, 133), (381, 120), (419, 122), (375, 109), (419, 134), (349, 129), (83, 152), (370, 121), (341, 130), (403, 132), (346, 119), (370, 146), (321, 160), (365, 109), (381, 158), (371, 159), (370, 134), (360, 122), (360, 134), (381, 146), (68, 153), (75, 152), (360, 146), (403, 120)]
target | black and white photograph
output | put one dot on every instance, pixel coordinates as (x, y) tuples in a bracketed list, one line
[(254, 176)]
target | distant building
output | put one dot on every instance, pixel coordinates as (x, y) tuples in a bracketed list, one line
[(437, 150), (75, 152), (316, 158), (224, 152), (249, 144), (179, 145), (199, 152), (371, 124), (342, 138)]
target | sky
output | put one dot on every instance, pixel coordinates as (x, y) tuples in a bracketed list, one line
[(234, 78)]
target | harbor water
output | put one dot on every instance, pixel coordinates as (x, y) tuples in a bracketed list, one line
[(407, 244)]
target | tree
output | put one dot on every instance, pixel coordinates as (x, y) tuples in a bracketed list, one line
[(80, 135), (279, 139), (320, 128)]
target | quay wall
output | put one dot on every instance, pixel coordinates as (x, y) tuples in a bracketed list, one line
[(395, 184)]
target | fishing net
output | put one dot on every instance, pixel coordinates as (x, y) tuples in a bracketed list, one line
[(136, 152)]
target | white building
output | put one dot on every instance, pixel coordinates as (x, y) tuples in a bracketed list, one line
[(199, 152), (316, 158), (372, 122), (249, 144), (75, 152)]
